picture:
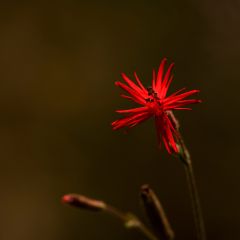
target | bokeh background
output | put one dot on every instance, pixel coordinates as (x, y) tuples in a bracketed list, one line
[(58, 64)]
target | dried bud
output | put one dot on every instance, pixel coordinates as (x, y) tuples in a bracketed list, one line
[(83, 202), (155, 213)]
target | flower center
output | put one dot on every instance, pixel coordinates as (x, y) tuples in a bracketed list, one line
[(153, 96), (154, 102)]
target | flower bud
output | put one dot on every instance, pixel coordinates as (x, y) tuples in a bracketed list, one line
[(83, 202)]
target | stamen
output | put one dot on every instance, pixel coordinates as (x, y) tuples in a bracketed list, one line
[(149, 100), (150, 91), (155, 95)]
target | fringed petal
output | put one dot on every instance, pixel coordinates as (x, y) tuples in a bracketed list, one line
[(133, 110), (131, 120), (138, 98), (158, 84), (132, 85)]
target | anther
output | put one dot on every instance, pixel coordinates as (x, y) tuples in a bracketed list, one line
[(155, 95), (149, 100), (150, 91)]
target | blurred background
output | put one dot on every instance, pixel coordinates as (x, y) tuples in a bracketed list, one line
[(58, 64)]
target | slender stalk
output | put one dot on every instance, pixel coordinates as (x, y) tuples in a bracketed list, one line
[(184, 155), (185, 158)]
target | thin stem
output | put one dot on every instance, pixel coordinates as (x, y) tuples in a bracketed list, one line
[(184, 155), (185, 158)]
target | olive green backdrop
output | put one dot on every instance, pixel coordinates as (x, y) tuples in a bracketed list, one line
[(58, 64)]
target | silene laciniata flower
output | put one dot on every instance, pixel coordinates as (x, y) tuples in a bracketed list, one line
[(154, 103)]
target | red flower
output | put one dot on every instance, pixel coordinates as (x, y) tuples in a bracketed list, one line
[(155, 104)]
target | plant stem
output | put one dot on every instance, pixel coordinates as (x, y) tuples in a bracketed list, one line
[(185, 157)]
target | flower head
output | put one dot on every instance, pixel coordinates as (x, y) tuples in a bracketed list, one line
[(154, 103)]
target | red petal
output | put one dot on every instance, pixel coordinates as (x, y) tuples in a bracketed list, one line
[(171, 138), (133, 85), (180, 103), (133, 110), (127, 97), (130, 120), (167, 132), (177, 92), (160, 75), (137, 97), (139, 83), (179, 108), (166, 144), (154, 79), (176, 98), (163, 90)]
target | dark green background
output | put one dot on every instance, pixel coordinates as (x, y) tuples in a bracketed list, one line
[(58, 64)]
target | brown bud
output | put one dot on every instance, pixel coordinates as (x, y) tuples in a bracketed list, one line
[(156, 214), (83, 202)]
